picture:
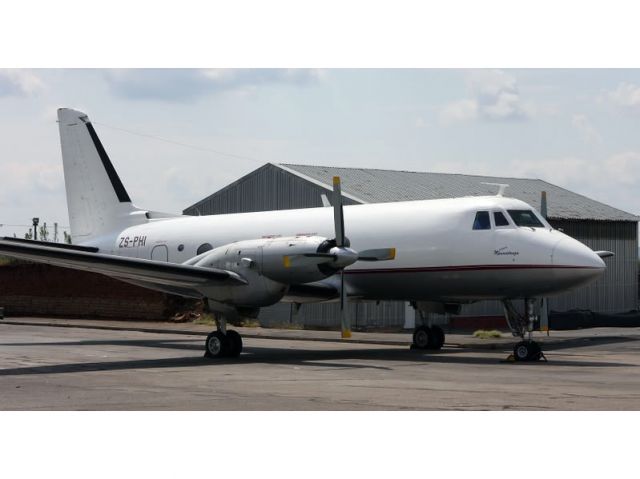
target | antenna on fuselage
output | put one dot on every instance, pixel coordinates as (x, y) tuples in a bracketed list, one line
[(501, 187)]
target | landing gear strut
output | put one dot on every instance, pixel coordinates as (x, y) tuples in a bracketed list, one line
[(427, 337), (223, 342), (522, 325)]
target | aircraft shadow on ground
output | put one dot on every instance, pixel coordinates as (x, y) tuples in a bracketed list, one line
[(196, 344), (586, 342), (188, 344), (296, 357)]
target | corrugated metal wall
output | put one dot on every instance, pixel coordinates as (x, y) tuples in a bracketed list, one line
[(386, 314), (271, 188), (267, 188), (617, 290)]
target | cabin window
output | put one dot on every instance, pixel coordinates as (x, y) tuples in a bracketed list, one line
[(204, 248), (482, 221), (499, 219), (525, 218)]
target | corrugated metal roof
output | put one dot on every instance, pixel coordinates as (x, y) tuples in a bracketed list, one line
[(379, 186)]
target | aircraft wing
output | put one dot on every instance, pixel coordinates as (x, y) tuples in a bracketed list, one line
[(141, 271)]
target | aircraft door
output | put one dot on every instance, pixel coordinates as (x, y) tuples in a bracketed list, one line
[(160, 253)]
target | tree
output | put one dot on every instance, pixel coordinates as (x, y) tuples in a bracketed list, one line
[(28, 235), (67, 237), (43, 231)]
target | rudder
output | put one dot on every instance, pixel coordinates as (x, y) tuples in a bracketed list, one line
[(97, 201)]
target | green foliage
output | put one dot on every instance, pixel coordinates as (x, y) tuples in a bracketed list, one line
[(206, 318), (250, 323), (209, 319), (484, 334), (43, 233), (67, 237), (5, 260), (286, 325)]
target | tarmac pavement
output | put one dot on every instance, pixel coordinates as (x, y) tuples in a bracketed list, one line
[(454, 339), (64, 364)]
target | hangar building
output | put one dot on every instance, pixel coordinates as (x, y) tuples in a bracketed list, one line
[(287, 186)]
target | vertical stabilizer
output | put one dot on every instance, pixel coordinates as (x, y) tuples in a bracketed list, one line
[(96, 198)]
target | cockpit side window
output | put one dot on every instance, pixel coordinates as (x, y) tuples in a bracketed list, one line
[(525, 218), (482, 221), (499, 219)]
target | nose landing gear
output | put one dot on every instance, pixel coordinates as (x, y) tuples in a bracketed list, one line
[(527, 351), (522, 325)]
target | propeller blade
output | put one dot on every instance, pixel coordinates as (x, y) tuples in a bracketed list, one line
[(338, 217), (382, 254), (307, 259), (319, 255), (345, 321)]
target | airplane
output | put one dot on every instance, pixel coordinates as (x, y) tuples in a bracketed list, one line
[(436, 254)]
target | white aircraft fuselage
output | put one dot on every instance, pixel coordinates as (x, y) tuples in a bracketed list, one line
[(439, 256)]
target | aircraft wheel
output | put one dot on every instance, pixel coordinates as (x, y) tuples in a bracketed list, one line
[(216, 345), (437, 337), (536, 351), (235, 343), (527, 351), (422, 337)]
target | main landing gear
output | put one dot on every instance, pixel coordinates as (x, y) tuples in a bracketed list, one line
[(427, 337), (522, 325), (222, 343)]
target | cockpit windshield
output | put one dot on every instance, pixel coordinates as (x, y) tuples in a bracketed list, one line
[(525, 218), (482, 221)]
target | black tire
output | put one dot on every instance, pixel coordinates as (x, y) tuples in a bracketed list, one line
[(521, 351), (527, 351), (422, 337), (216, 345), (235, 343), (437, 335), (536, 351)]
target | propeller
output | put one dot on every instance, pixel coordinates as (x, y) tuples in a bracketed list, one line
[(340, 255)]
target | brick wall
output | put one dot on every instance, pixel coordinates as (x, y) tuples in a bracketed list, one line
[(42, 290)]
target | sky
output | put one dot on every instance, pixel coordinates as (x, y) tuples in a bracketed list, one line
[(178, 135)]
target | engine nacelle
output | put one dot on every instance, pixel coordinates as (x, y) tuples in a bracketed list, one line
[(266, 258), (244, 258), (279, 259), (262, 263)]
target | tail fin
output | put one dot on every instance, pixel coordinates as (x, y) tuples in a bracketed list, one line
[(96, 198)]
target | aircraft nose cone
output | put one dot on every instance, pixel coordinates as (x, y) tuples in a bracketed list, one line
[(577, 263), (570, 252)]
